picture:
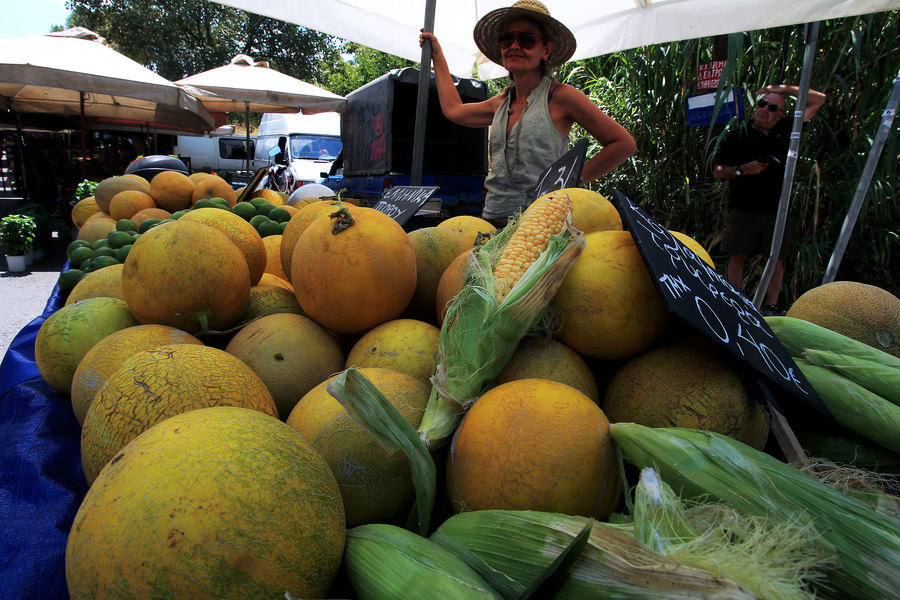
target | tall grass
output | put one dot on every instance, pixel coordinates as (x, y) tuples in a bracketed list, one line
[(856, 62)]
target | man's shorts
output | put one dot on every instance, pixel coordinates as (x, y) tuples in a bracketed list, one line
[(748, 232)]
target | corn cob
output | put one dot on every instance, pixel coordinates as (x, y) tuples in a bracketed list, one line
[(706, 464), (880, 379), (385, 562), (546, 217), (855, 407), (797, 335)]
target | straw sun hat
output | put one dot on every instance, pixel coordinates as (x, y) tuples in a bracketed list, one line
[(491, 24)]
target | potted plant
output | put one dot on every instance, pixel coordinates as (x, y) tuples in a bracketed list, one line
[(17, 234), (43, 226)]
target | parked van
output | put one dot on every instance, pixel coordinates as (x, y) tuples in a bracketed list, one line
[(298, 149), (224, 155)]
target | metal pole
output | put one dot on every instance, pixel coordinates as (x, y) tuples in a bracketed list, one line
[(247, 142), (20, 156), (887, 121), (83, 149), (812, 34), (418, 153)]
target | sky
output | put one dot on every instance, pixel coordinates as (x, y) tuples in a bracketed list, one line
[(31, 17)]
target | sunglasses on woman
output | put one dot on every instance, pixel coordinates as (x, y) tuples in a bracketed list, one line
[(770, 105), (527, 39)]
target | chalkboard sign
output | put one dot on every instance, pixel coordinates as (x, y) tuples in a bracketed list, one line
[(694, 291), (564, 173), (402, 202)]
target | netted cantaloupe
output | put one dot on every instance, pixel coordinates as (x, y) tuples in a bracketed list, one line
[(534, 444), (607, 304), (223, 502), (690, 383), (109, 354), (102, 283), (109, 187), (290, 353), (186, 275), (214, 187), (67, 335), (354, 270), (405, 345), (154, 385), (83, 209), (863, 312), (172, 190), (270, 300), (125, 205), (375, 485), (545, 358), (240, 232), (435, 248)]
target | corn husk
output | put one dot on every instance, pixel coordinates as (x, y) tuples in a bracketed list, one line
[(479, 335), (878, 378), (509, 549), (855, 407), (384, 562), (704, 464), (797, 335)]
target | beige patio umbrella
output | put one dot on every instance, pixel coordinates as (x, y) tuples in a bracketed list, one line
[(245, 85)]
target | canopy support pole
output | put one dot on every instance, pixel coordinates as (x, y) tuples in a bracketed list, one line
[(20, 157), (418, 153), (83, 147), (247, 141), (812, 34), (887, 121)]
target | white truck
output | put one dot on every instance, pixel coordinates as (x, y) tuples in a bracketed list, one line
[(221, 152), (298, 149)]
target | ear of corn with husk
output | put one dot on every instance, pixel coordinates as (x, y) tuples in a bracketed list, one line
[(385, 562), (510, 281), (797, 335), (706, 464), (878, 378)]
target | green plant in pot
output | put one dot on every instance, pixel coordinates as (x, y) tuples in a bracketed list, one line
[(17, 234), (43, 223)]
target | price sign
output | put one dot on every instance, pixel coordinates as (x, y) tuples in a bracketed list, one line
[(694, 291), (564, 173), (402, 202)]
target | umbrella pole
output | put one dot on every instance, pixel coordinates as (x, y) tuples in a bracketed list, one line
[(83, 146), (247, 142), (418, 154)]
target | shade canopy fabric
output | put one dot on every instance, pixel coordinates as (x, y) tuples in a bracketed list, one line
[(72, 75), (600, 26), (246, 85)]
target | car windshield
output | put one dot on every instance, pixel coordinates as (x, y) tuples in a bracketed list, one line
[(319, 147)]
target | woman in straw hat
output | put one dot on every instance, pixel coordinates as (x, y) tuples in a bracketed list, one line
[(530, 120)]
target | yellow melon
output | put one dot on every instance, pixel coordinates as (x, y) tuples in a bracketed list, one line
[(96, 228), (435, 248), (199, 176), (125, 205), (172, 190), (137, 177), (608, 306), (272, 196), (866, 313), (67, 335), (450, 285), (694, 245), (534, 444), (105, 282), (273, 256), (270, 300), (109, 187), (269, 279), (159, 383), (223, 502), (83, 209), (405, 345), (298, 224), (353, 272), (290, 353), (240, 232), (689, 383), (468, 225), (214, 187), (545, 358), (110, 353), (375, 486), (591, 211), (150, 213), (186, 275)]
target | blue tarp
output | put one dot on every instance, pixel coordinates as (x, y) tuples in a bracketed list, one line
[(41, 481)]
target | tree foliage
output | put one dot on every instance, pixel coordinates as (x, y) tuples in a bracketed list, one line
[(361, 65)]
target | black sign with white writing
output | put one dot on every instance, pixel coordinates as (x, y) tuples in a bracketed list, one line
[(694, 291), (402, 202), (564, 173)]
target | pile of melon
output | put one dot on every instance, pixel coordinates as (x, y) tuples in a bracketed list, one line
[(199, 367)]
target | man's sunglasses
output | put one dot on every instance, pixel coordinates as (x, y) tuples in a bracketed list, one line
[(770, 105), (526, 39)]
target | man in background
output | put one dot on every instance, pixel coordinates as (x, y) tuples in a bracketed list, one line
[(752, 159)]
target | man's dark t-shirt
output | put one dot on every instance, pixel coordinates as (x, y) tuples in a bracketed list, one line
[(762, 192)]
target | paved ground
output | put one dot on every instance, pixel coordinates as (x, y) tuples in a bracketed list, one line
[(24, 295)]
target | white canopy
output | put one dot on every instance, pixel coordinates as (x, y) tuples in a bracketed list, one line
[(79, 75), (600, 26), (245, 85)]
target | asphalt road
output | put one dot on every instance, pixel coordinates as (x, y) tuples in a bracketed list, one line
[(24, 295)]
